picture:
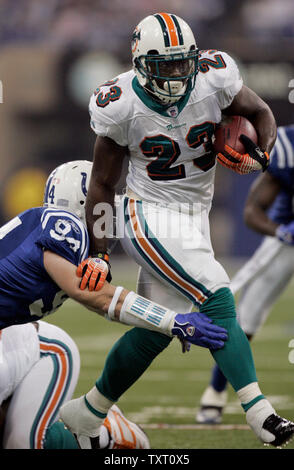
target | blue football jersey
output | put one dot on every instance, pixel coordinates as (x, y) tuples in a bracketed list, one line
[(282, 168), (27, 292)]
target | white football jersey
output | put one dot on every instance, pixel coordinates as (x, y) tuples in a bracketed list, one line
[(170, 147)]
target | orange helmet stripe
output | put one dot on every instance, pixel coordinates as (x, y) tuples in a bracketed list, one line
[(172, 29)]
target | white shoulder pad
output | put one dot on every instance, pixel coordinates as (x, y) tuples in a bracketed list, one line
[(109, 108), (222, 75)]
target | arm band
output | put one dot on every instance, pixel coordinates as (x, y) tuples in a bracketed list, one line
[(143, 313)]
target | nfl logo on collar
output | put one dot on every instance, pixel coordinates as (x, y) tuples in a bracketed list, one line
[(173, 111)]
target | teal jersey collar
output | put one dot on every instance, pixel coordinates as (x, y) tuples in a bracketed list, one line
[(154, 105)]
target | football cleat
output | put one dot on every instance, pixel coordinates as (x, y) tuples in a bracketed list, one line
[(209, 415), (281, 429), (123, 434), (114, 432), (270, 428), (211, 406)]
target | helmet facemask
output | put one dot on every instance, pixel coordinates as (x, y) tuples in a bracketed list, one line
[(169, 77), (165, 57)]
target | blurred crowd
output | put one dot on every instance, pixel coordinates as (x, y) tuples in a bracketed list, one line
[(91, 23), (54, 53)]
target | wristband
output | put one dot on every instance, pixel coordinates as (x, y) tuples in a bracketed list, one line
[(111, 308)]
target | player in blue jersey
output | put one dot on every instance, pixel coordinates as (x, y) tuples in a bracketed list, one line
[(269, 211), (40, 250)]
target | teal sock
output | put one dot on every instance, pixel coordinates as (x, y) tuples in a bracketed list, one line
[(59, 437), (235, 358), (128, 359)]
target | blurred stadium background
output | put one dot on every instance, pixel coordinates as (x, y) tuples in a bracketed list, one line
[(53, 54)]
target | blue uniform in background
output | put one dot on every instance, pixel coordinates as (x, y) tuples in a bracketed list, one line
[(27, 292), (282, 210), (282, 168)]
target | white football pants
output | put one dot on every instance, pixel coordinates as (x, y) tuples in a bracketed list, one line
[(174, 251), (39, 371), (262, 280)]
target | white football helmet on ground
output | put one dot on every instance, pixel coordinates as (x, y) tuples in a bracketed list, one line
[(165, 56), (67, 186)]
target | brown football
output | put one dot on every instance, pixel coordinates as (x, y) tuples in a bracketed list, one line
[(229, 130)]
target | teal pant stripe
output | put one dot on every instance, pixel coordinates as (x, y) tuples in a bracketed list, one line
[(246, 406), (48, 394), (95, 412), (168, 259), (148, 260), (50, 389), (173, 264)]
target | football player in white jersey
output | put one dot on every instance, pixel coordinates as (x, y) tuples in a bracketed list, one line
[(40, 250), (162, 115)]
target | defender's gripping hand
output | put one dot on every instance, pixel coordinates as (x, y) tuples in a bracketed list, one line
[(198, 329), (255, 159), (94, 272), (285, 233)]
